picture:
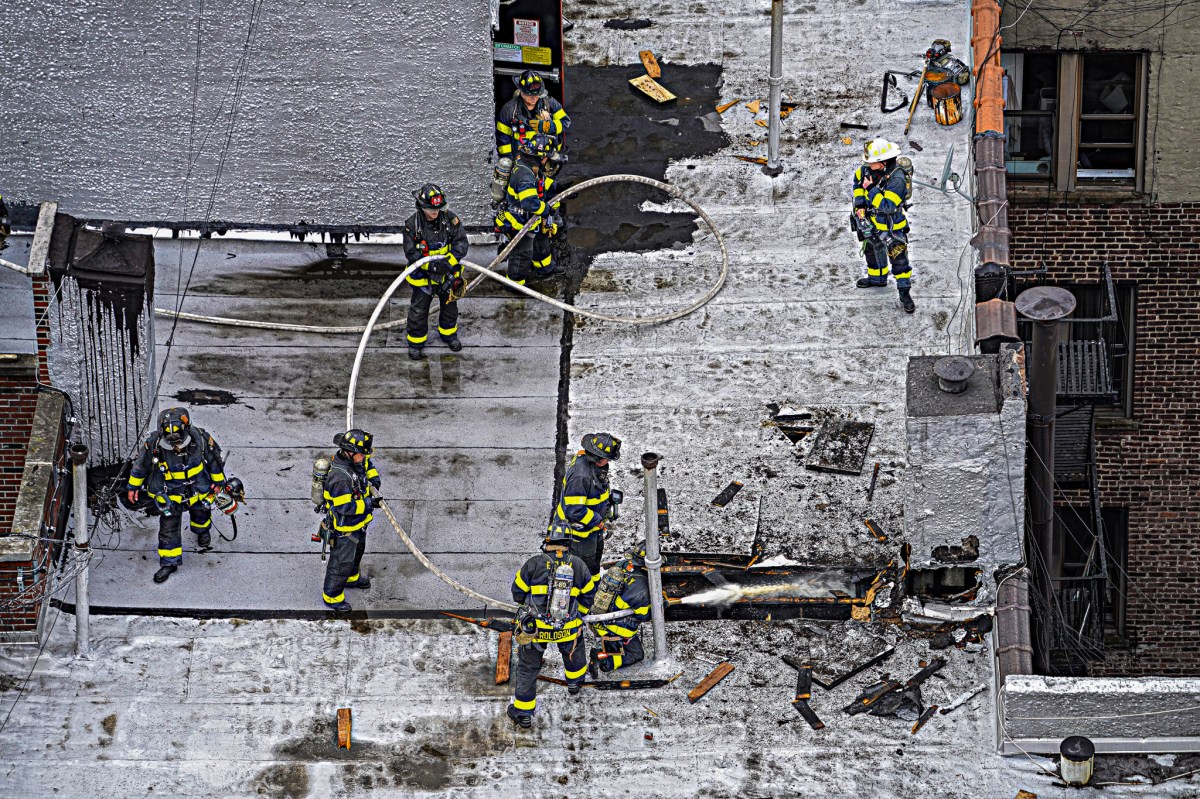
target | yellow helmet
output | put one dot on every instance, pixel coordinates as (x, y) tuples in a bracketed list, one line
[(879, 150)]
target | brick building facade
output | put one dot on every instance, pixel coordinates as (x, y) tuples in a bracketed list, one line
[(1146, 451)]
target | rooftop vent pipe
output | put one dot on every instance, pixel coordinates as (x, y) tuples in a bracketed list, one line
[(953, 373), (1078, 758)]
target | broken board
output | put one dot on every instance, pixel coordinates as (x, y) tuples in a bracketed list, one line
[(504, 658), (708, 683), (651, 65), (343, 727), (841, 447), (652, 89)]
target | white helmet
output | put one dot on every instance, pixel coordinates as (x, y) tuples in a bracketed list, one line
[(880, 150)]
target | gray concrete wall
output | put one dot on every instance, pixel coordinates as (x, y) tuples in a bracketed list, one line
[(345, 108), (1172, 173), (1142, 714)]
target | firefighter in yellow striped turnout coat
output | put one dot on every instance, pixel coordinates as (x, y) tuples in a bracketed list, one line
[(351, 489)]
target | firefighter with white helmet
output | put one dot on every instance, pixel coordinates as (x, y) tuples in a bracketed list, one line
[(881, 190)]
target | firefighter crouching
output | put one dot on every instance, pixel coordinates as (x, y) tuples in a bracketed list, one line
[(624, 586), (529, 186), (434, 230), (350, 490), (586, 503), (180, 469), (881, 188), (553, 592)]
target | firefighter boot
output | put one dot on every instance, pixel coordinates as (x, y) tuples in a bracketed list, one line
[(204, 539), (415, 353), (574, 688), (906, 301), (452, 342), (339, 607), (164, 572), (866, 283), (522, 720), (362, 581)]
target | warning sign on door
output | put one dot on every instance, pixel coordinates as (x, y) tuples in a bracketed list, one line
[(525, 32)]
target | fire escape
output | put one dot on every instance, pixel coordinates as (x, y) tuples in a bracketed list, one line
[(1084, 382)]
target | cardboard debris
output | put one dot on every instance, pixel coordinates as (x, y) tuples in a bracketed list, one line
[(652, 89), (652, 68), (723, 107), (753, 106), (708, 683), (343, 727)]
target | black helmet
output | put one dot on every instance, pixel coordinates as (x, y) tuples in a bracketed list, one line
[(235, 489), (602, 445), (175, 426), (357, 441), (430, 197), (539, 146), (557, 534), (531, 83), (637, 555)]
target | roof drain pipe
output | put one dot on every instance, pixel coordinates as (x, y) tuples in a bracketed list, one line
[(650, 462), (991, 203), (773, 167)]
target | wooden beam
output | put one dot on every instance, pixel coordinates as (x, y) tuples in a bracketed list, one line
[(504, 658), (652, 89), (708, 683), (651, 65), (343, 727)]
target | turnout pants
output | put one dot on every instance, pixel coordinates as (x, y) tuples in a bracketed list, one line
[(532, 253), (418, 316), (529, 665), (345, 555), (625, 652), (878, 254), (170, 542), (590, 550)]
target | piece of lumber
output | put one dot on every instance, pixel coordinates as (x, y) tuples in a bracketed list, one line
[(874, 530), (804, 683), (762, 123), (829, 685), (723, 107), (926, 716), (652, 68), (753, 106), (751, 159), (809, 715), (652, 89), (343, 728), (504, 658), (708, 683)]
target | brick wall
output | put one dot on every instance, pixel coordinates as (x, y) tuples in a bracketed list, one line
[(1151, 470), (18, 400)]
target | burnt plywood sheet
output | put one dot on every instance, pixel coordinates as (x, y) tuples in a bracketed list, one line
[(841, 447)]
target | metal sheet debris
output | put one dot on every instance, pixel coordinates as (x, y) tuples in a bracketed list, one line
[(841, 447)]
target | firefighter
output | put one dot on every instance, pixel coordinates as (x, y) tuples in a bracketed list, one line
[(553, 592), (528, 187), (4, 228), (180, 469), (586, 503), (621, 587), (434, 230), (881, 190), (531, 111), (351, 489)]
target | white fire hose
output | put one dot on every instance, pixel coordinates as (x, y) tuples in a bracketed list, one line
[(487, 272)]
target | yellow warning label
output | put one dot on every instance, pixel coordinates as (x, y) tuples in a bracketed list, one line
[(536, 55)]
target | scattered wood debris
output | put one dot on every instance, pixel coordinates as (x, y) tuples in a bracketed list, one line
[(925, 716), (787, 108), (762, 123), (875, 530), (651, 65), (504, 658), (1024, 794), (723, 107), (648, 710), (915, 146), (751, 160), (708, 683), (753, 106), (343, 727), (652, 89), (847, 140), (963, 698), (852, 126), (729, 491)]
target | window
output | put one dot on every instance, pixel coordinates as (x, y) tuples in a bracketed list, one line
[(1116, 547), (1079, 553), (1075, 119)]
